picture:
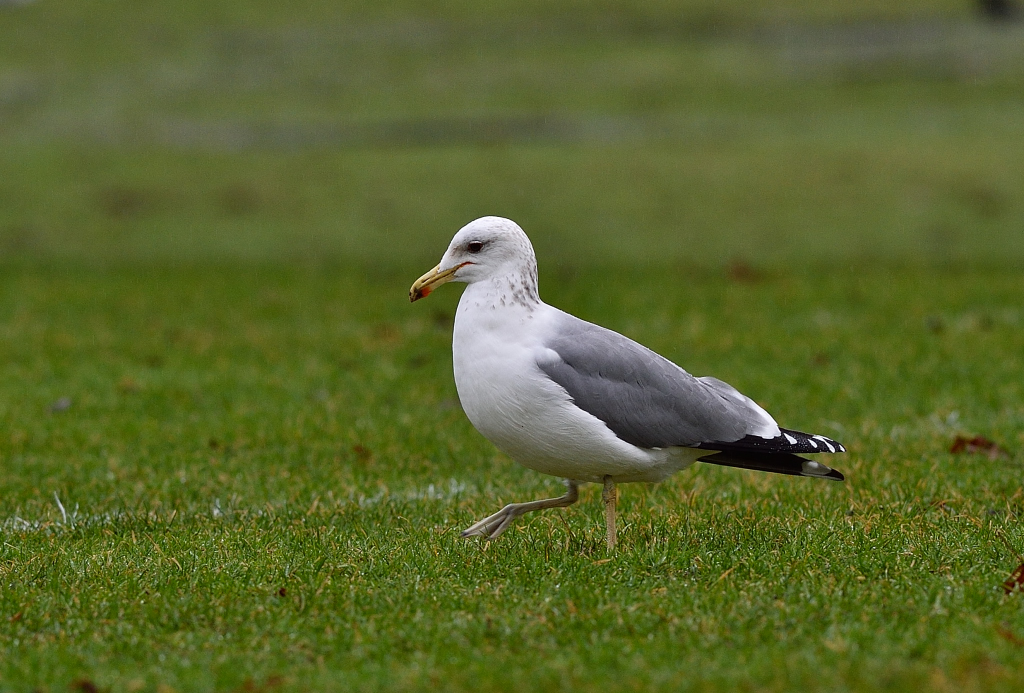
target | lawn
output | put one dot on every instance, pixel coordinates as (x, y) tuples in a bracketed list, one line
[(263, 481), (233, 456)]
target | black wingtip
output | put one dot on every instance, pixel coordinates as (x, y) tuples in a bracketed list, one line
[(821, 471), (774, 463), (833, 475), (788, 441)]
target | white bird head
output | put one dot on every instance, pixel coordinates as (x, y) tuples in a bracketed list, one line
[(486, 248)]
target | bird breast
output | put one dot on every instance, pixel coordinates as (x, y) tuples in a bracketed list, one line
[(522, 411)]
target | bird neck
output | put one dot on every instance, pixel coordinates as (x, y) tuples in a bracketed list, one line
[(512, 290)]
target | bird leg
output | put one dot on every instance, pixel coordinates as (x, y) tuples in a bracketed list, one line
[(492, 526), (610, 495)]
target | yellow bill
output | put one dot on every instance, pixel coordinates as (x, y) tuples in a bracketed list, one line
[(435, 277)]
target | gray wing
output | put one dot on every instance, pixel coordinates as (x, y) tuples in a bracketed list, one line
[(644, 398)]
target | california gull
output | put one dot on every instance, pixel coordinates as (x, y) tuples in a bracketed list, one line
[(572, 399)]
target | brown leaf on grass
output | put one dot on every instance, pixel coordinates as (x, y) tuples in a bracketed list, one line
[(84, 686), (979, 445), (1015, 580), (273, 681), (821, 359), (739, 270), (1008, 634)]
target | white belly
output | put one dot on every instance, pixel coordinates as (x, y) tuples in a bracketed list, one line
[(530, 417)]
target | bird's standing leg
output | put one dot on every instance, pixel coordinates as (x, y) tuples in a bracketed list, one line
[(610, 495), (492, 526)]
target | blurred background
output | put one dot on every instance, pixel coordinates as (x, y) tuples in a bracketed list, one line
[(686, 132)]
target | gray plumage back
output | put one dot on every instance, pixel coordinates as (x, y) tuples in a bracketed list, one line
[(644, 398)]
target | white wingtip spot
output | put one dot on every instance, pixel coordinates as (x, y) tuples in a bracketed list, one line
[(813, 442), (826, 442), (812, 468), (790, 439)]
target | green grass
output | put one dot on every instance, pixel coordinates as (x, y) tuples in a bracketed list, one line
[(137, 133), (265, 472), (210, 214), (901, 198)]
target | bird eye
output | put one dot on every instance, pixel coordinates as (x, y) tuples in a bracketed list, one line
[(475, 246)]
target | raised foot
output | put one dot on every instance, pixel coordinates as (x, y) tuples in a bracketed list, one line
[(493, 525)]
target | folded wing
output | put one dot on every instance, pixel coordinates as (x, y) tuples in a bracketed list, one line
[(650, 402)]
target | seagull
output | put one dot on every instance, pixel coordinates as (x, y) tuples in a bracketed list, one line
[(569, 398)]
